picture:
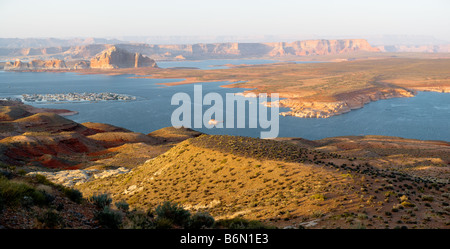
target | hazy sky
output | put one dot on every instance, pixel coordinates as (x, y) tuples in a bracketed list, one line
[(57, 18)]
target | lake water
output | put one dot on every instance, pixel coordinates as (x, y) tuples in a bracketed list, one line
[(425, 116)]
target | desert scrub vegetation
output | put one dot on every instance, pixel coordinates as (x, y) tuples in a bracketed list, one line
[(240, 223), (252, 147), (167, 215), (37, 203), (16, 193), (101, 200)]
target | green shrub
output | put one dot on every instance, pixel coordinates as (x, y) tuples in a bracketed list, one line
[(173, 212), (319, 197), (43, 180), (50, 219), (317, 214), (16, 193), (240, 223), (101, 200), (163, 223), (427, 198), (362, 216), (139, 220), (358, 226), (122, 206), (201, 220), (73, 194), (108, 218)]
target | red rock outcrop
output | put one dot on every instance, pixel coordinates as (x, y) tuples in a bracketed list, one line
[(114, 57)]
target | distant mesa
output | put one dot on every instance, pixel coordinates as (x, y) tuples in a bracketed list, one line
[(110, 58), (115, 57), (134, 55), (35, 65), (320, 47)]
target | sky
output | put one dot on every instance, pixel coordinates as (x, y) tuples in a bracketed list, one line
[(81, 18)]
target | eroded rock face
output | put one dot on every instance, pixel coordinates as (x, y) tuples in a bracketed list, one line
[(81, 65), (35, 65), (115, 57), (70, 178)]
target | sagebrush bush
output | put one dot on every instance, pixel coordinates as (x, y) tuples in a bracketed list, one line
[(139, 220), (201, 220), (240, 223), (101, 200), (50, 219), (108, 218), (43, 180), (173, 212), (73, 194), (15, 193), (163, 223), (122, 206)]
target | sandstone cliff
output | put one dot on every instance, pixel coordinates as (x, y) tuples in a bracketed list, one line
[(276, 49), (230, 50), (320, 47), (35, 65), (115, 57)]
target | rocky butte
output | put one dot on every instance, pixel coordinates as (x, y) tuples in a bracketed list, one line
[(115, 57)]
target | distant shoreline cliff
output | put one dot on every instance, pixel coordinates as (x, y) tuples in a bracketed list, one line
[(111, 58), (229, 50)]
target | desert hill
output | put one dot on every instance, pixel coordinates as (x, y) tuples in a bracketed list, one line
[(38, 137), (280, 183)]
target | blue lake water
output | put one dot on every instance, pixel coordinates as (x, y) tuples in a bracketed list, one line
[(425, 116)]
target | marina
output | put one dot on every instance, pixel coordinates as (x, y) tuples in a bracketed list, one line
[(75, 97)]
